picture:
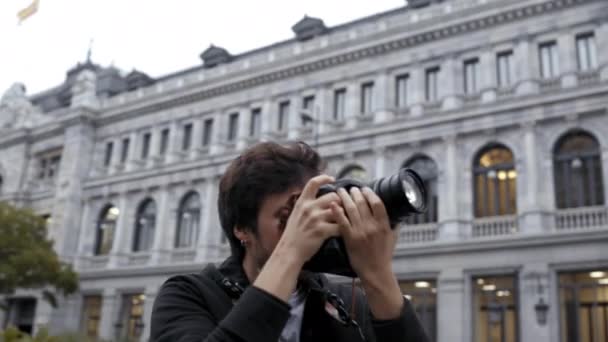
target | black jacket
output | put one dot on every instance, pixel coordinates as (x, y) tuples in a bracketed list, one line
[(197, 308)]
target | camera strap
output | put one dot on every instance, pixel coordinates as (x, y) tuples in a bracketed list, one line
[(336, 309)]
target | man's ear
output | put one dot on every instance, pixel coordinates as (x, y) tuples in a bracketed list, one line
[(241, 233)]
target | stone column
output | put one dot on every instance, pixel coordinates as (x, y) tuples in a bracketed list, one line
[(533, 217), (174, 146), (163, 240), (601, 38), (122, 232), (216, 133), (449, 81), (567, 60), (488, 75), (211, 230), (154, 155), (197, 138), (526, 66), (380, 157), (381, 102), (416, 89), (150, 292), (242, 140), (43, 314), (452, 316), (530, 295), (109, 314), (87, 226), (269, 119), (132, 154), (322, 112), (353, 104), (294, 122), (448, 182)]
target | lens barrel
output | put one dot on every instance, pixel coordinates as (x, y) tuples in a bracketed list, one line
[(403, 194)]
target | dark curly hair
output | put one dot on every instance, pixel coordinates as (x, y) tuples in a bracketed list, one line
[(264, 169)]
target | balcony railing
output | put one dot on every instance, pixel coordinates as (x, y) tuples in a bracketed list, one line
[(588, 77), (183, 255), (418, 233), (495, 226), (581, 218), (137, 259), (94, 262)]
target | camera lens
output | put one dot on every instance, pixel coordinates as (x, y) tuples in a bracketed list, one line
[(412, 192)]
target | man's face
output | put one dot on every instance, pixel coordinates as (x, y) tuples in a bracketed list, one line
[(272, 217)]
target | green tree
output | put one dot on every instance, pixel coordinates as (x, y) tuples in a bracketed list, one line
[(27, 257)]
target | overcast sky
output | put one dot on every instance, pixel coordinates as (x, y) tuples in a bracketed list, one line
[(154, 36)]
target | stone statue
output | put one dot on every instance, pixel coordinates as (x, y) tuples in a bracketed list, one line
[(17, 111)]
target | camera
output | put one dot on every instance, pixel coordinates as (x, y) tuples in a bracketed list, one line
[(403, 194)]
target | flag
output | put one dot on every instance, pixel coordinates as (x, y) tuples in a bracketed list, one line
[(28, 11)]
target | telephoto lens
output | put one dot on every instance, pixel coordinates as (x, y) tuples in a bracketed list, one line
[(403, 194)]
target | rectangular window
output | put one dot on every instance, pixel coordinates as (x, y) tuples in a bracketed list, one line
[(164, 141), (583, 305), (233, 126), (91, 316), (495, 308), (586, 51), (131, 323), (187, 137), (339, 104), (207, 131), (124, 153), (108, 154), (549, 60), (283, 116), (367, 98), (432, 90), (42, 167), (422, 294), (471, 76), (255, 126), (145, 145), (53, 167), (504, 69), (308, 104), (401, 84)]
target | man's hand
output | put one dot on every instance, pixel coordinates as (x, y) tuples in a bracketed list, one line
[(311, 222), (370, 242)]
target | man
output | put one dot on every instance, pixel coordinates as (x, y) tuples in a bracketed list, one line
[(274, 222)]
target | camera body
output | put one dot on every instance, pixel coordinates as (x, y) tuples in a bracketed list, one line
[(403, 194)]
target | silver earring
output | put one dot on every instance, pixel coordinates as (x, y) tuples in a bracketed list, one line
[(243, 243)]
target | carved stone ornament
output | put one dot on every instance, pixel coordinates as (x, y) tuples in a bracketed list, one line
[(17, 111)]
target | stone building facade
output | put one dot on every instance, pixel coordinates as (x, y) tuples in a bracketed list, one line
[(500, 105)]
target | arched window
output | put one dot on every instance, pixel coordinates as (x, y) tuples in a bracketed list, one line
[(145, 223), (188, 220), (354, 172), (577, 168), (427, 170), (106, 226), (494, 179)]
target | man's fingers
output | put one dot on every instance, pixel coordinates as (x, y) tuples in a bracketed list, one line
[(352, 213), (340, 218), (326, 200), (375, 203), (360, 201), (312, 187)]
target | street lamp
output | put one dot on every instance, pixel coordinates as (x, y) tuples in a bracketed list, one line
[(541, 308)]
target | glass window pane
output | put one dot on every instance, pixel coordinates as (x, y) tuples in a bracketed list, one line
[(496, 308)]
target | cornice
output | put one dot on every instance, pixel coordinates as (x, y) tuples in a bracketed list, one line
[(466, 27)]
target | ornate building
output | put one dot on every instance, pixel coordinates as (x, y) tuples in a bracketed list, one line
[(500, 105)]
